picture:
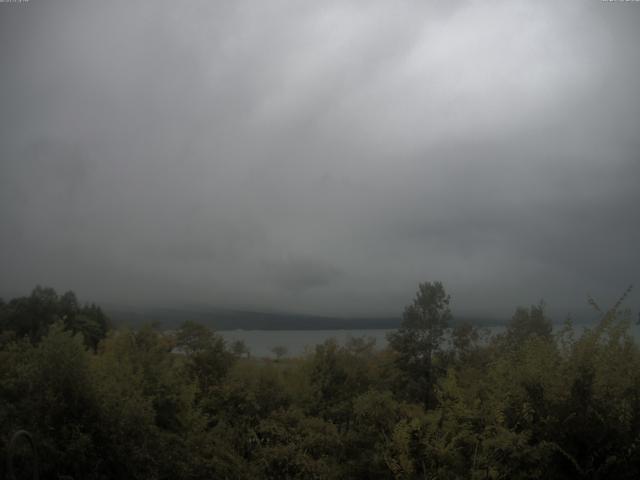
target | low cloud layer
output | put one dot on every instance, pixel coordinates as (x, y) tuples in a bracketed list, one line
[(320, 157)]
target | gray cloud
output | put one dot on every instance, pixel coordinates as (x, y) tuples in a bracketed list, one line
[(320, 157), (300, 274)]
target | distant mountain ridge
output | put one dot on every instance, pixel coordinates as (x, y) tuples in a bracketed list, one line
[(222, 319)]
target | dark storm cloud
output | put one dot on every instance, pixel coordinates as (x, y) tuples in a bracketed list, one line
[(320, 157)]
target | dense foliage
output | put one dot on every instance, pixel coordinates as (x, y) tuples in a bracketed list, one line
[(441, 402)]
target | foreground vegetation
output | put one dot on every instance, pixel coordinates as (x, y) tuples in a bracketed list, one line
[(147, 404)]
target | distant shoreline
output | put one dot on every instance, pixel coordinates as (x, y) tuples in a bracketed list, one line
[(231, 320)]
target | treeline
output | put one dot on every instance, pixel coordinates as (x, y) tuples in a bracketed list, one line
[(122, 404)]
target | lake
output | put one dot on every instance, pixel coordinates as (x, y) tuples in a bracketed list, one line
[(260, 342)]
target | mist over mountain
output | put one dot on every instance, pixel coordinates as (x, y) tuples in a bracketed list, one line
[(225, 319)]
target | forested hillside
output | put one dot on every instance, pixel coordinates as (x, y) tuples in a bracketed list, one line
[(146, 404)]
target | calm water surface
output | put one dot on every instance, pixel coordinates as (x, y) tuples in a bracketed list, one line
[(260, 342)]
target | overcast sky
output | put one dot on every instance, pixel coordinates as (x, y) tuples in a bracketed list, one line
[(321, 157)]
